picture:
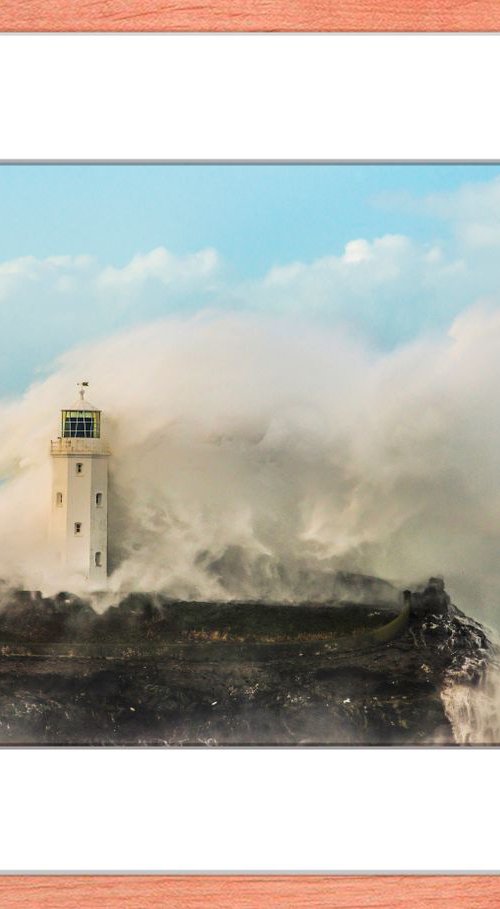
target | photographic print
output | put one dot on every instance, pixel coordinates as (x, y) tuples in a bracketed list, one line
[(250, 454), (253, 891)]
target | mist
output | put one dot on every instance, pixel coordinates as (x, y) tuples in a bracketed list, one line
[(254, 456)]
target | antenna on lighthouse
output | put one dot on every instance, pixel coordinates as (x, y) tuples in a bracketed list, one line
[(82, 386)]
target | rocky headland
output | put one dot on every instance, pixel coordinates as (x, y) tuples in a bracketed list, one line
[(376, 669)]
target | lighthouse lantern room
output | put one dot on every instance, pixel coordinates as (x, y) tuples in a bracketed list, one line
[(79, 525)]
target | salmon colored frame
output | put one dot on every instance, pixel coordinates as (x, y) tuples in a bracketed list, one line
[(250, 892), (250, 15)]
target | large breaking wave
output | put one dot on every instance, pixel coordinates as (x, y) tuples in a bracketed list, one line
[(253, 457)]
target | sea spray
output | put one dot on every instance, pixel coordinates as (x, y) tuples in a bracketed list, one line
[(255, 456), (472, 702)]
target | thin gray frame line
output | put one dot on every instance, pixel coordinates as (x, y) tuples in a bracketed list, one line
[(193, 162), (453, 747), (300, 873)]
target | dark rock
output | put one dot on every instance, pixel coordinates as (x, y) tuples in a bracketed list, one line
[(432, 600), (157, 671)]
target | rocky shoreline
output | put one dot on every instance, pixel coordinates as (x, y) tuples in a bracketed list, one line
[(157, 672)]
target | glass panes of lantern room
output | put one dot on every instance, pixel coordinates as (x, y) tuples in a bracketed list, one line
[(81, 424)]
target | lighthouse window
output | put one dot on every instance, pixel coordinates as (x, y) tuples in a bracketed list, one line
[(98, 559), (78, 527), (98, 499), (79, 468), (81, 424), (59, 498)]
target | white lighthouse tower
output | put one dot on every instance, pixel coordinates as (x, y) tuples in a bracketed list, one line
[(79, 525)]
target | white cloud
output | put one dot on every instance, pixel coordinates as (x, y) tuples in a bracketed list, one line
[(50, 304), (362, 264), (83, 272), (357, 251), (472, 211), (388, 289), (27, 270), (161, 265)]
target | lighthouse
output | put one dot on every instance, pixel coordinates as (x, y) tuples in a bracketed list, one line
[(79, 513)]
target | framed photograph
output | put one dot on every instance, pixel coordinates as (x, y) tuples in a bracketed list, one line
[(249, 454), (140, 98)]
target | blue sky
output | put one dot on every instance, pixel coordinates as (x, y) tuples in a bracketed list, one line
[(254, 215), (261, 236)]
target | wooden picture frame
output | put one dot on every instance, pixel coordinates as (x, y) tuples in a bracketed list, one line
[(250, 16), (249, 891)]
